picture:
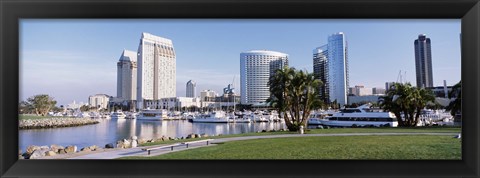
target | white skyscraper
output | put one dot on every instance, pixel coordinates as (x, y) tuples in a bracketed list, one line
[(156, 70), (338, 68), (191, 89), (255, 69), (127, 76)]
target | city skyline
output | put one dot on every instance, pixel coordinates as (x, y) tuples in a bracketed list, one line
[(209, 52)]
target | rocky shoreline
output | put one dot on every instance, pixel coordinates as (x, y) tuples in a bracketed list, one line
[(54, 123)]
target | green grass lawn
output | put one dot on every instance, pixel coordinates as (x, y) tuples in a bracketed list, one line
[(330, 131), (335, 147)]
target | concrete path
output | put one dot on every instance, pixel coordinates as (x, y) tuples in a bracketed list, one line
[(117, 153)]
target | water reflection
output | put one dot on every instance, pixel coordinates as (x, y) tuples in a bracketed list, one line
[(109, 131)]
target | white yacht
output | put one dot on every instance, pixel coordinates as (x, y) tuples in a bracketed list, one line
[(118, 115), (152, 114), (213, 117), (360, 116)]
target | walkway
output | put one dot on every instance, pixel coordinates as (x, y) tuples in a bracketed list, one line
[(117, 153)]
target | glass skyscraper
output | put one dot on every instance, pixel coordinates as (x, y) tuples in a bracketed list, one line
[(191, 89), (423, 61), (330, 65), (256, 66)]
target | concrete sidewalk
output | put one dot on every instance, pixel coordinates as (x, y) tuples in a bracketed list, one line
[(139, 152)]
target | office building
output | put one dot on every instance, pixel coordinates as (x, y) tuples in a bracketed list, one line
[(331, 65), (423, 61), (156, 70), (256, 67), (191, 89), (127, 76), (320, 70)]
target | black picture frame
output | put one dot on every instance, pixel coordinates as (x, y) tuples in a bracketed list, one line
[(13, 10)]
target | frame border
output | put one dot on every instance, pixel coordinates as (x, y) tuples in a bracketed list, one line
[(11, 11)]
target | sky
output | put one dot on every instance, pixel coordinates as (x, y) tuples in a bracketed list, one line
[(73, 59)]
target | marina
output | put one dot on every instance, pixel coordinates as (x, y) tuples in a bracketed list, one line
[(111, 130)]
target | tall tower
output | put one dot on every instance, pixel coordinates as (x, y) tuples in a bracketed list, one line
[(156, 70), (423, 61), (320, 70), (338, 80), (256, 66), (191, 89), (127, 76)]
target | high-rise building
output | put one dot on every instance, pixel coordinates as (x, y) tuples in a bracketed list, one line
[(191, 89), (156, 70), (320, 70), (338, 79), (127, 76), (423, 61), (256, 67), (331, 66), (208, 95)]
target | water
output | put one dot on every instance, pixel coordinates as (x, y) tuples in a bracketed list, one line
[(112, 130)]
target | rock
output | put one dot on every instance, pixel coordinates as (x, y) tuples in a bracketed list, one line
[(134, 138), (164, 138), (134, 144), (50, 153), (31, 149), (37, 154), (61, 151), (55, 148), (93, 147), (192, 136), (45, 147), (126, 143), (110, 145), (141, 141), (71, 149), (170, 138), (86, 149)]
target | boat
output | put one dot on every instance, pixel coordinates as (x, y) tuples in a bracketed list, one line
[(152, 114), (117, 115), (213, 117), (360, 117), (131, 115)]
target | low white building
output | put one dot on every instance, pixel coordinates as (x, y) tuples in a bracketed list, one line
[(74, 105), (100, 101), (176, 103), (363, 99)]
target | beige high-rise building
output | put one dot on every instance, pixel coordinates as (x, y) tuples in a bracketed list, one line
[(156, 70), (127, 76)]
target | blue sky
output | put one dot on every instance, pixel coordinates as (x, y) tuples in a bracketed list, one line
[(72, 59)]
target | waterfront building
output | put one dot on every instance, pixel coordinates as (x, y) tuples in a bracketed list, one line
[(100, 101), (175, 103), (388, 85), (363, 99), (256, 67), (423, 61), (191, 89), (376, 91), (208, 95), (74, 105), (331, 65), (127, 76), (156, 70), (320, 70)]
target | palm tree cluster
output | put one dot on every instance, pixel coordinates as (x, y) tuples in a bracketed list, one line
[(407, 101), (294, 93), (455, 106)]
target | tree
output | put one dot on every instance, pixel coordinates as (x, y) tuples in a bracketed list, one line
[(294, 93), (403, 99), (40, 104), (455, 106)]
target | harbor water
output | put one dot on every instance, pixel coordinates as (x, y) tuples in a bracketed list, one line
[(112, 130)]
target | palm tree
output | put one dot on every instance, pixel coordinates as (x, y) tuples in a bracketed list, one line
[(294, 93), (455, 106), (407, 101)]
